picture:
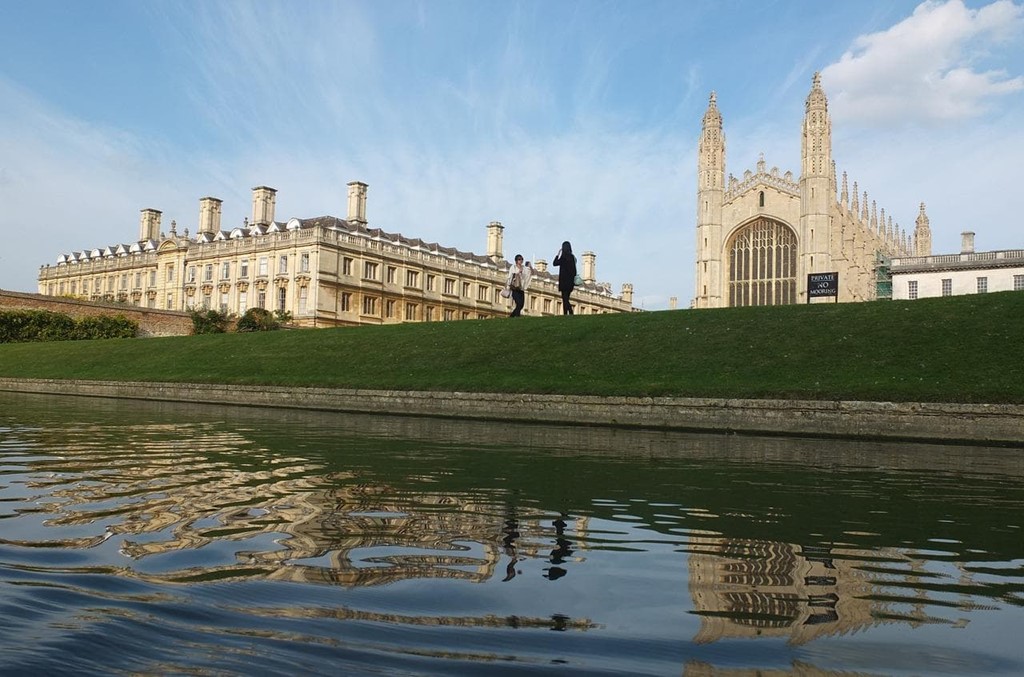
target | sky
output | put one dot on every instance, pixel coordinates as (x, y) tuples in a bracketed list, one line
[(562, 120)]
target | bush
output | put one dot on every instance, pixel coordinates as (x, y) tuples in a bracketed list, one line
[(209, 321), (258, 319), (18, 326)]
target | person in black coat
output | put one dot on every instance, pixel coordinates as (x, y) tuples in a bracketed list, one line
[(566, 263)]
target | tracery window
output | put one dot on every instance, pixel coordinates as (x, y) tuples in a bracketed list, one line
[(762, 265)]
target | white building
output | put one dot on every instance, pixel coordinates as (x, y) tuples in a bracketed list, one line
[(969, 272)]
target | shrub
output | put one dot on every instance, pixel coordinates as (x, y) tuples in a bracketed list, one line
[(258, 319), (106, 326), (18, 326), (209, 321)]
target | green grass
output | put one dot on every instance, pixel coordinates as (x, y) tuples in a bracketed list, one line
[(956, 349)]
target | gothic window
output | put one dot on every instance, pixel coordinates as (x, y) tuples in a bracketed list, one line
[(760, 199), (762, 265)]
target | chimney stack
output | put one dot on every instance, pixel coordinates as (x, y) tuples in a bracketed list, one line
[(209, 215), (589, 265), (540, 265), (357, 203), (627, 293), (495, 240), (149, 225), (263, 201), (967, 242)]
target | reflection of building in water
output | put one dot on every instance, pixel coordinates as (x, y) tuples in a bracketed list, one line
[(797, 669), (744, 588)]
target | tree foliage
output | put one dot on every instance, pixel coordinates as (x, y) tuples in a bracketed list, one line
[(20, 326)]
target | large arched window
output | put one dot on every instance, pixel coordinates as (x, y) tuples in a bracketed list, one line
[(762, 264)]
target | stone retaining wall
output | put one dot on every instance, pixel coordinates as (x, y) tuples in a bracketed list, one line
[(959, 423), (152, 322)]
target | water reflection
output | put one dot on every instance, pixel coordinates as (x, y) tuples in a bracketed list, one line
[(651, 550)]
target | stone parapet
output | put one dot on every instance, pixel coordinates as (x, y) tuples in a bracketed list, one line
[(957, 423)]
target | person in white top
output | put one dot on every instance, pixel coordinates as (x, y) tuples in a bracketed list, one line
[(519, 275)]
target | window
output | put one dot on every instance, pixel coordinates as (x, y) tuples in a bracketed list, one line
[(370, 270), (243, 269), (223, 302), (304, 262), (761, 264), (170, 302), (191, 273), (430, 282), (912, 289), (151, 302), (547, 305), (346, 302), (206, 301), (282, 265), (412, 279), (74, 287), (138, 280), (410, 311), (303, 300), (262, 268), (243, 302), (369, 305), (208, 272), (430, 314), (449, 314), (947, 287), (465, 289), (389, 308), (261, 299), (85, 286), (760, 199), (170, 272), (449, 286), (225, 270), (465, 314), (282, 297), (982, 285), (392, 272), (481, 292), (124, 280), (346, 266), (110, 282), (1018, 283), (61, 288)]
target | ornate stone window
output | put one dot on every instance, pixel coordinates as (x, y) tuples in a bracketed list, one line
[(761, 261)]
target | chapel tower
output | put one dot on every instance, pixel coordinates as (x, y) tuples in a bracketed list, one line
[(817, 189), (710, 194)]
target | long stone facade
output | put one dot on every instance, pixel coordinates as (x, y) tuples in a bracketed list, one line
[(324, 271), (759, 236)]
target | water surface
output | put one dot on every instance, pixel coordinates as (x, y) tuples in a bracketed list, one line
[(158, 538)]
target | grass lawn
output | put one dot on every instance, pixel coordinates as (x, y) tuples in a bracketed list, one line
[(954, 349)]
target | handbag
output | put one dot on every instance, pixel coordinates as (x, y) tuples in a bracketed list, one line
[(505, 293), (578, 281)]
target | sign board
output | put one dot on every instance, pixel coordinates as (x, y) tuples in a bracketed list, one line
[(822, 284)]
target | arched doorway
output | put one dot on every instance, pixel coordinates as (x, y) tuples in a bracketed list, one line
[(762, 264)]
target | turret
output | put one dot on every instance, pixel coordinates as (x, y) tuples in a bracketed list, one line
[(710, 195), (627, 293), (816, 186), (589, 267), (922, 234)]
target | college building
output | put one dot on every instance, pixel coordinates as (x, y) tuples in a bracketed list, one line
[(969, 272), (760, 236), (325, 271)]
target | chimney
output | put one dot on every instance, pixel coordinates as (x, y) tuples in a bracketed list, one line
[(540, 265), (589, 263), (149, 225), (209, 215), (263, 200), (673, 302), (495, 239), (967, 242), (627, 293), (357, 203)]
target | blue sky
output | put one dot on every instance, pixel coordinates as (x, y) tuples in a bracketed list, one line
[(562, 120)]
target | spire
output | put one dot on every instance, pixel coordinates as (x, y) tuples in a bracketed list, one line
[(874, 215), (855, 205), (881, 221), (711, 149), (922, 234), (761, 165), (864, 208), (817, 137), (844, 197)]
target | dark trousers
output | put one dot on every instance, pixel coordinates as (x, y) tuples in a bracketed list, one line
[(519, 298), (566, 306)]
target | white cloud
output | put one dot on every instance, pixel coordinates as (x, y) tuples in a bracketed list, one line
[(928, 67)]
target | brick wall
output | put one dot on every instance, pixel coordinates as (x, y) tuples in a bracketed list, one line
[(152, 322)]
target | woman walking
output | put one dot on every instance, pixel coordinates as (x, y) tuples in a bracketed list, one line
[(518, 280), (566, 263)]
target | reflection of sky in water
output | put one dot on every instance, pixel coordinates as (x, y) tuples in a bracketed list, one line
[(438, 541)]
